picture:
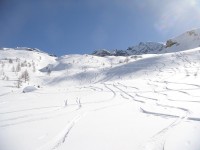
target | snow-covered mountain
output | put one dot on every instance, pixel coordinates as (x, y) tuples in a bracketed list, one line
[(187, 40), (23, 48), (146, 48), (141, 48), (26, 49), (73, 102)]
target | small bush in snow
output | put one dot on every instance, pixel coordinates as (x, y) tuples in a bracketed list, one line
[(10, 61)]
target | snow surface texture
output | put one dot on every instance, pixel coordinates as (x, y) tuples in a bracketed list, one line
[(143, 102), (185, 41)]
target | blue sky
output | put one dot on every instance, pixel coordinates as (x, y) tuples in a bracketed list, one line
[(82, 26)]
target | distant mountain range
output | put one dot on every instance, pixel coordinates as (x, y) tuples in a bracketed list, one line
[(187, 40)]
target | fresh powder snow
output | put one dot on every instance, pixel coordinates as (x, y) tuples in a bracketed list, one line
[(73, 102)]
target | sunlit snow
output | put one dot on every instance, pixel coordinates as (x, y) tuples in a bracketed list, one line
[(74, 102)]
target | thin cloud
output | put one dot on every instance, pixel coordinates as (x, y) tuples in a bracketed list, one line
[(177, 16), (166, 16)]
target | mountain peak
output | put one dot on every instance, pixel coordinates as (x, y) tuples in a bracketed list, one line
[(188, 40), (146, 48)]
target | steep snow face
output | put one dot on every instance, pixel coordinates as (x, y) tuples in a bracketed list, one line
[(187, 40)]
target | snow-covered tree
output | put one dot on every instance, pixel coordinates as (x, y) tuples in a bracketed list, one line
[(25, 76), (13, 69), (24, 64), (10, 61), (18, 68), (34, 69), (2, 64), (19, 83), (126, 60), (49, 71)]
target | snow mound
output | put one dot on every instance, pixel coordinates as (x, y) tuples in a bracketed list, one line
[(29, 89)]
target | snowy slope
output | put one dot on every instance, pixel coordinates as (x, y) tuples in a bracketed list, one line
[(15, 61), (141, 102), (187, 40)]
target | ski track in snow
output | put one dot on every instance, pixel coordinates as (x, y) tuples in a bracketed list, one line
[(60, 138), (157, 142), (156, 99)]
